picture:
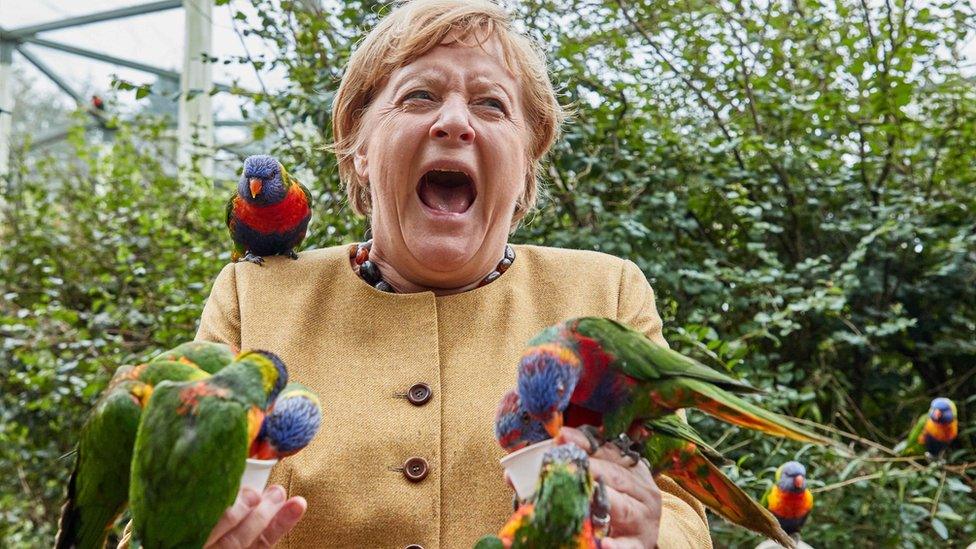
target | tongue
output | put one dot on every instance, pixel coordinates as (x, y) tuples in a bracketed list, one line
[(445, 198)]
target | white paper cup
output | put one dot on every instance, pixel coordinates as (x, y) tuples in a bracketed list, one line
[(256, 473), (523, 467)]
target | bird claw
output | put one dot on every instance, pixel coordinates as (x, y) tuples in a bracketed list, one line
[(600, 510), (256, 259), (626, 447), (291, 254), (593, 436)]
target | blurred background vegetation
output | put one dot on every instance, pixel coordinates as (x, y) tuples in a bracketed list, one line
[(796, 178)]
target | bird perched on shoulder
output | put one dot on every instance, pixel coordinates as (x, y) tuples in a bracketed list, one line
[(98, 488), (559, 514), (788, 499), (290, 425), (934, 431), (191, 447), (208, 356), (269, 213), (607, 375)]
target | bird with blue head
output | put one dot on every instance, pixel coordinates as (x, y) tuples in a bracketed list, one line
[(789, 499), (934, 431), (268, 213), (290, 425), (515, 428)]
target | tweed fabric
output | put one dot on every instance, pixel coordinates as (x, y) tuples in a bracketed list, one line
[(361, 349)]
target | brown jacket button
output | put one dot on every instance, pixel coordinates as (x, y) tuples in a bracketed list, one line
[(416, 469), (419, 394)]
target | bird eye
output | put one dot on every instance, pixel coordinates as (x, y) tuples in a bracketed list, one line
[(525, 417)]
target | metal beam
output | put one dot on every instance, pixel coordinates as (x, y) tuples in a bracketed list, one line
[(195, 129), (172, 75), (6, 104), (164, 73), (22, 32), (48, 72)]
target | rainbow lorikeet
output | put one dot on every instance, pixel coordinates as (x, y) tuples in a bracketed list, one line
[(209, 356), (514, 427), (934, 431), (671, 447), (674, 448), (290, 424), (98, 488), (191, 447), (599, 372), (269, 213), (559, 514), (788, 498)]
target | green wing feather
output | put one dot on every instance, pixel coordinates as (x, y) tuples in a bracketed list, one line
[(708, 484), (911, 445), (489, 542), (211, 357), (187, 466), (641, 358), (732, 409), (99, 484), (673, 426), (158, 371)]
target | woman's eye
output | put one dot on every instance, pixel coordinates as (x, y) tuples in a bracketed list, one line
[(495, 102), (419, 94)]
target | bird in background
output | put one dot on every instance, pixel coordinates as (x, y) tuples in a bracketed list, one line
[(672, 447), (290, 424), (559, 514), (789, 499), (98, 488), (269, 212), (933, 432), (599, 372), (191, 446)]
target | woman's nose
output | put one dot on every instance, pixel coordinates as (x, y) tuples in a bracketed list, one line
[(452, 124)]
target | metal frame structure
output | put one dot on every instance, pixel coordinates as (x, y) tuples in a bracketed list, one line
[(195, 124)]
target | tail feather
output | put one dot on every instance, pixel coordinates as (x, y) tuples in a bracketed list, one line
[(732, 409), (83, 528), (717, 492)]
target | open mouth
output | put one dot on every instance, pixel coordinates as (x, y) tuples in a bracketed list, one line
[(447, 191)]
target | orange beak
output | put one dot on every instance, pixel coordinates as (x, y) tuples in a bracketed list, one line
[(554, 424), (937, 414), (798, 481), (255, 187)]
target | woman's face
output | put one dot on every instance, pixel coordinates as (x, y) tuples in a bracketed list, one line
[(446, 161)]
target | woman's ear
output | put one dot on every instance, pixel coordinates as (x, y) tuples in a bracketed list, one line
[(360, 164)]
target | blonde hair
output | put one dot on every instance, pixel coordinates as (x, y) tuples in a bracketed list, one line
[(407, 33)]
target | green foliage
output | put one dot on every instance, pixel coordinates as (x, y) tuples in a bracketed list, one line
[(795, 178)]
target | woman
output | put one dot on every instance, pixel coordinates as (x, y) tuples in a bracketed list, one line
[(440, 123)]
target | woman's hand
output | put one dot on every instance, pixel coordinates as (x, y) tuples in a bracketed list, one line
[(257, 520), (635, 500)]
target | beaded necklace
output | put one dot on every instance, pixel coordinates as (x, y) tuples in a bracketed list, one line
[(370, 272)]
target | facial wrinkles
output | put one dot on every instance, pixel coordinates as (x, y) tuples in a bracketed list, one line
[(454, 90)]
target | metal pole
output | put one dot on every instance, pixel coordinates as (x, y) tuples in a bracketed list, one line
[(163, 73), (91, 18), (6, 104), (195, 126)]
